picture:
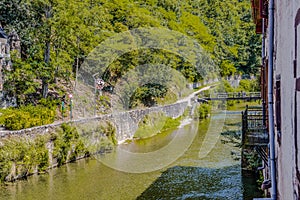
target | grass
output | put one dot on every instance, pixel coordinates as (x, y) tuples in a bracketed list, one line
[(241, 105), (171, 124), (170, 98), (155, 123)]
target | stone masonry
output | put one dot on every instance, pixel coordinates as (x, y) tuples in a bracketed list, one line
[(126, 123)]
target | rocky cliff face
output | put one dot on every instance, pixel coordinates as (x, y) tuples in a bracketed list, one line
[(7, 44)]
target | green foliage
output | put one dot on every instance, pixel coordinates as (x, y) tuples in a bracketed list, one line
[(168, 98), (171, 124), (203, 111), (103, 104), (67, 144), (109, 131), (98, 137), (26, 155), (20, 81), (236, 41), (224, 86), (56, 35), (227, 86), (150, 125), (248, 85), (28, 116), (147, 94), (155, 123), (251, 160), (22, 156), (227, 68)]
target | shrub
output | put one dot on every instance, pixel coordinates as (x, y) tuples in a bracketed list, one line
[(22, 156), (155, 123), (103, 104), (203, 111), (248, 85), (27, 155), (28, 116), (67, 144)]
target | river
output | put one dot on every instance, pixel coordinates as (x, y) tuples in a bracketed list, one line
[(193, 162)]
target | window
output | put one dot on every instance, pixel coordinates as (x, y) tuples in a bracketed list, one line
[(278, 110)]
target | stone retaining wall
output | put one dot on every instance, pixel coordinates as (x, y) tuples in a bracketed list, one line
[(126, 122)]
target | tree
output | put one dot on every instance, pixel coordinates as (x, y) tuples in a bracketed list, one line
[(19, 81), (57, 35)]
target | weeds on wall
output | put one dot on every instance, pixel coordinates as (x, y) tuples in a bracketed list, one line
[(23, 156), (97, 137), (251, 160), (155, 123), (67, 145)]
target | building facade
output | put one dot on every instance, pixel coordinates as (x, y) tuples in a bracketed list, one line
[(286, 87), (287, 111)]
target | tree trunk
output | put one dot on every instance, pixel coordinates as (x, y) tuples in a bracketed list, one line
[(45, 88), (47, 52)]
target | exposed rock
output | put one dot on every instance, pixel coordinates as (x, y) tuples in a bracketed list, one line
[(14, 41)]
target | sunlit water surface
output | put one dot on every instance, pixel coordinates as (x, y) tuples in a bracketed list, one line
[(216, 176)]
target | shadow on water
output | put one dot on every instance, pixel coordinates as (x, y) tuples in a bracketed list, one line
[(181, 182), (216, 176), (234, 124), (251, 188)]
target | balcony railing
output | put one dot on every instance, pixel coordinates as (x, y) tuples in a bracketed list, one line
[(254, 131)]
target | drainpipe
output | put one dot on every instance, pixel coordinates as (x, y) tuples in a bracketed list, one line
[(271, 101), (263, 54)]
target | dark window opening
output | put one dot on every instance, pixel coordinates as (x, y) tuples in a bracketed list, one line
[(278, 111)]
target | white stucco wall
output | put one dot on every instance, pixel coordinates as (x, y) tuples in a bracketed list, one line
[(285, 12)]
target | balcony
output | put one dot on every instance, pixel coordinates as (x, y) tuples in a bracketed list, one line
[(254, 130)]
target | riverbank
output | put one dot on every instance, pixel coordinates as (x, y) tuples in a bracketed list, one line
[(63, 144), (155, 123), (23, 156), (186, 176), (241, 105)]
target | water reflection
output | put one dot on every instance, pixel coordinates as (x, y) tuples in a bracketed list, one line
[(196, 183), (126, 160), (217, 176)]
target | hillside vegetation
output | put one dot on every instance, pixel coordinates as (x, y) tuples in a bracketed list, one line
[(57, 35)]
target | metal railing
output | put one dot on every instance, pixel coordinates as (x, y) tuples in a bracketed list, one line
[(236, 95), (233, 96), (254, 131)]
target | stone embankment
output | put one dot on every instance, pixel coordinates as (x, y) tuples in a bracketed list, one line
[(126, 123), (58, 135)]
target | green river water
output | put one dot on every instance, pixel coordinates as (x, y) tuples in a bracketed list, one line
[(204, 165)]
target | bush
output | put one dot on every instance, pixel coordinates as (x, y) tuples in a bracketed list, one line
[(171, 123), (28, 116), (26, 155), (67, 144), (109, 131), (103, 104), (203, 111), (155, 123), (224, 86), (22, 156), (249, 85)]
